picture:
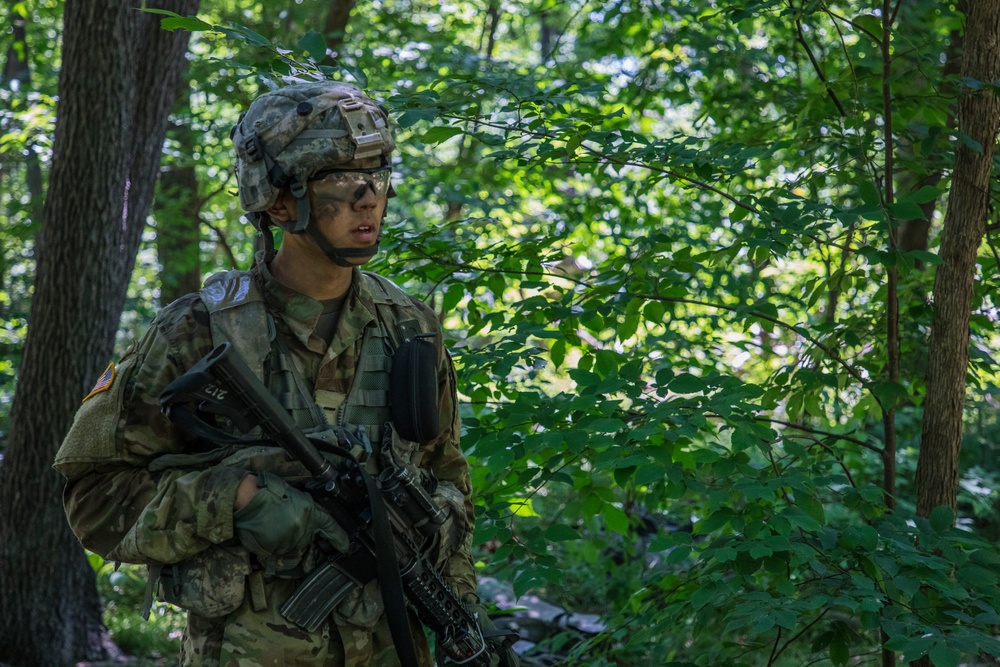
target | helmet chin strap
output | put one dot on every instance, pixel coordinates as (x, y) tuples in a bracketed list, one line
[(339, 256)]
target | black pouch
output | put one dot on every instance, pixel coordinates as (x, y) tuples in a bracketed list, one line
[(413, 390)]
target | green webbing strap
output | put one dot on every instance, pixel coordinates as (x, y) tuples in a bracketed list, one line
[(286, 366), (372, 398), (152, 582)]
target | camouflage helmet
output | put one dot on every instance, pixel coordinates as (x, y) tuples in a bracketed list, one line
[(289, 134)]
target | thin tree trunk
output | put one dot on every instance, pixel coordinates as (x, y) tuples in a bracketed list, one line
[(178, 232), (17, 68), (914, 234), (178, 212), (336, 23), (964, 227), (116, 88)]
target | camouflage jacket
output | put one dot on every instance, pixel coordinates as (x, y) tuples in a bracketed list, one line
[(125, 506)]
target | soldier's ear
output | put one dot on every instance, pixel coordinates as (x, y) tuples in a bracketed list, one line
[(282, 209)]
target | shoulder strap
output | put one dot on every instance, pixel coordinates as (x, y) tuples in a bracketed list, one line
[(384, 290), (237, 314)]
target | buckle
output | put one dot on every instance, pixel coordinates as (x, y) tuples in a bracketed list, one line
[(254, 147)]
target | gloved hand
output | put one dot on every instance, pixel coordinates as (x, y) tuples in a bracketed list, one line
[(505, 658), (281, 521)]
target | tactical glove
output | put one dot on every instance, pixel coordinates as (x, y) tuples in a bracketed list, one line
[(280, 522), (492, 635)]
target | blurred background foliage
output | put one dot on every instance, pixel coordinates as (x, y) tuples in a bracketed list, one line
[(657, 235)]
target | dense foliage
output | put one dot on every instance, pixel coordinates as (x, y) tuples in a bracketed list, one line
[(660, 238)]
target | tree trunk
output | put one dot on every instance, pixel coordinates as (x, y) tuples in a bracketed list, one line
[(964, 227), (178, 233), (116, 89), (178, 214), (336, 22)]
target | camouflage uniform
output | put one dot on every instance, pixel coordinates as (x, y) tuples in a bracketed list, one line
[(141, 490)]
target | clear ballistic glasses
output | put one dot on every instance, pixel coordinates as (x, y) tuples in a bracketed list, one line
[(349, 185)]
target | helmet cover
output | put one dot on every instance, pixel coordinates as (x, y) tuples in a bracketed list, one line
[(288, 135)]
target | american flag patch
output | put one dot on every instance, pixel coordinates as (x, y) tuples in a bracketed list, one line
[(103, 382)]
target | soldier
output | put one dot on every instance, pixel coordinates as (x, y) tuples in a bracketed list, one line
[(225, 529)]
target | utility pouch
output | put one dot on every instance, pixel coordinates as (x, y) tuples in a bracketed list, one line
[(413, 389), (211, 583)]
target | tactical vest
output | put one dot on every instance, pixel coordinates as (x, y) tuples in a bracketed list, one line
[(239, 315)]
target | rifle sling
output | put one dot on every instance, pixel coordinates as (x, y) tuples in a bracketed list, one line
[(389, 580)]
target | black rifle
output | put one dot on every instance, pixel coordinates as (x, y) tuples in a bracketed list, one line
[(221, 383)]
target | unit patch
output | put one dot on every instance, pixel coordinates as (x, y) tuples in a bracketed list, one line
[(103, 383)]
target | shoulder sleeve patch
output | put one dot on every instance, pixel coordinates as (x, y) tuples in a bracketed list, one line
[(103, 383), (228, 289)]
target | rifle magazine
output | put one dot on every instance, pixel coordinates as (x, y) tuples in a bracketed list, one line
[(317, 596)]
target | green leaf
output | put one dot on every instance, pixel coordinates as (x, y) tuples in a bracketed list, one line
[(943, 655), (411, 116), (986, 558), (905, 210), (678, 555), (615, 519), (870, 23), (190, 23), (908, 585), (703, 596), (485, 531), (969, 142), (624, 475), (762, 625), (561, 533), (800, 519), (942, 518), (436, 135), (249, 35), (607, 363), (926, 194), (917, 647), (313, 44), (654, 312), (717, 520), (606, 425), (839, 651), (153, 10), (869, 195), (557, 353), (525, 580), (685, 383), (811, 506), (785, 618), (355, 72), (927, 257), (861, 536), (889, 394), (972, 84), (96, 562)]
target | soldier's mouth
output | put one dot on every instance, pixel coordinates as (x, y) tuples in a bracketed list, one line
[(364, 232)]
